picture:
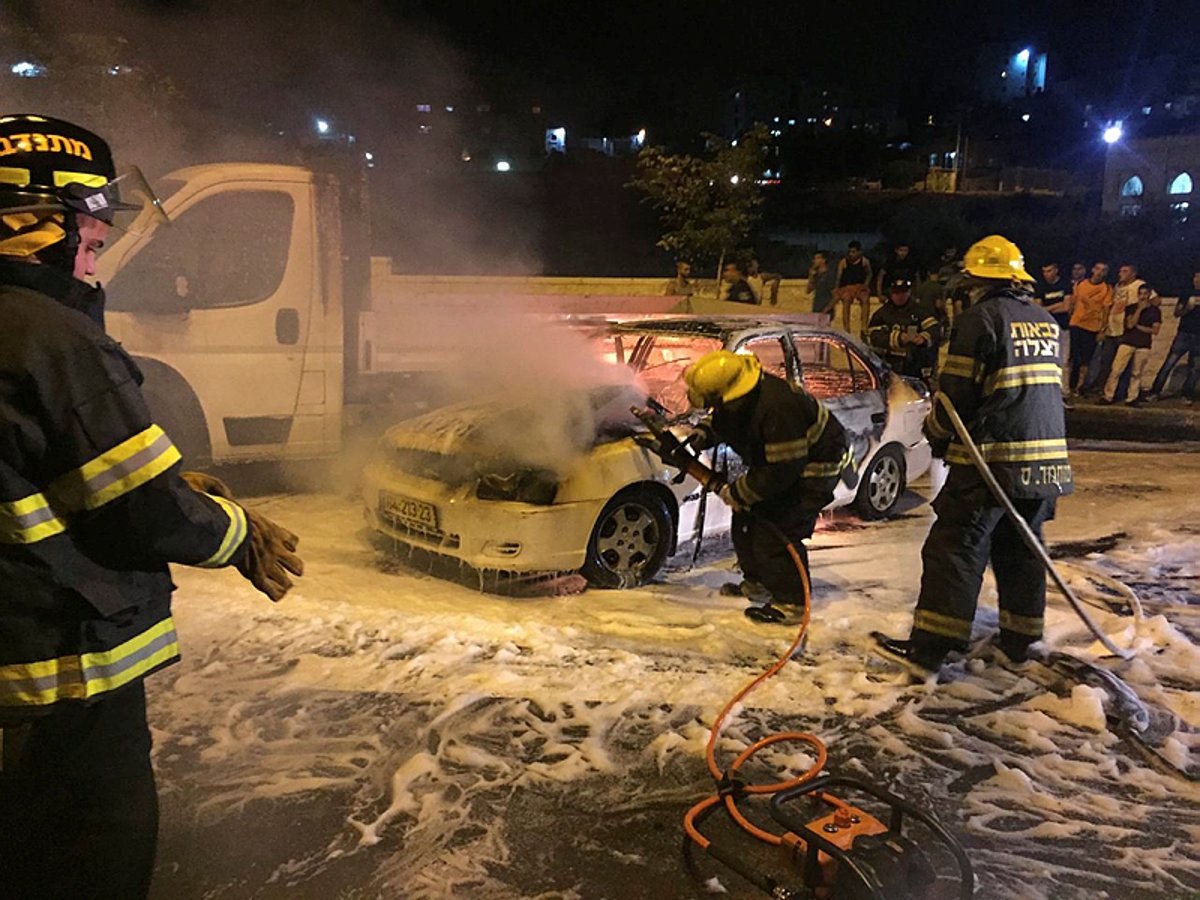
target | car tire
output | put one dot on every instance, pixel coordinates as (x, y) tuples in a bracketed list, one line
[(881, 484), (630, 541)]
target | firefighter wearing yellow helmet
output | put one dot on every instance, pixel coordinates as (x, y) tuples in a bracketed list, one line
[(795, 452), (93, 508), (1003, 377)]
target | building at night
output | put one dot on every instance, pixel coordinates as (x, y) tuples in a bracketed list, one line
[(1150, 175), (1009, 73)]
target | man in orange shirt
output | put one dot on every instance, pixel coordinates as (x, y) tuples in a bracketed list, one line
[(1090, 302)]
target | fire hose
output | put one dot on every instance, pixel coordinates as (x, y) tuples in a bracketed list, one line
[(848, 852)]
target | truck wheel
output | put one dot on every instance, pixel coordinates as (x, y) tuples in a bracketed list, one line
[(630, 541), (188, 435), (881, 484)]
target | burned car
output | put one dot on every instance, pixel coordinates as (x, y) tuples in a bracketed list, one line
[(561, 485)]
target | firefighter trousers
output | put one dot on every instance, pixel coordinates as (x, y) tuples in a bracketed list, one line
[(78, 808), (972, 529), (763, 555)]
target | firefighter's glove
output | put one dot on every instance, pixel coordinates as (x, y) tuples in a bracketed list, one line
[(726, 493), (271, 557), (207, 484)]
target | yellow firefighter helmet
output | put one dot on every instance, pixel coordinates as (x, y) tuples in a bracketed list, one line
[(721, 375), (996, 257)]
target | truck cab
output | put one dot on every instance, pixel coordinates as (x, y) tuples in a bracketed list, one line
[(233, 310)]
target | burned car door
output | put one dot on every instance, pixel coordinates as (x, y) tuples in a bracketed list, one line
[(833, 372)]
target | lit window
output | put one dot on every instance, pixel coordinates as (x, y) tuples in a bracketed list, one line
[(536, 110), (423, 107), (1132, 187), (27, 70), (1181, 184)]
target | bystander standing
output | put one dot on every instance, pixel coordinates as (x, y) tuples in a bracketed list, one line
[(734, 286), (1186, 343), (822, 280), (1142, 321), (1124, 295), (1089, 305)]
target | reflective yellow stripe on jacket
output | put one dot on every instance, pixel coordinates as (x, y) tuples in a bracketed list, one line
[(1011, 451), (118, 471), (798, 449), (28, 520), (829, 469), (962, 366), (1021, 376), (79, 677), (234, 534)]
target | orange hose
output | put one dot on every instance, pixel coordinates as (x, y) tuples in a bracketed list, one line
[(743, 757)]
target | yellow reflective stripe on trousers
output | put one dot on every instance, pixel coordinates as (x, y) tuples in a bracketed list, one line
[(1020, 376), (963, 366), (942, 625), (28, 520), (118, 471), (85, 675), (234, 534), (1011, 451), (783, 451), (1030, 626)]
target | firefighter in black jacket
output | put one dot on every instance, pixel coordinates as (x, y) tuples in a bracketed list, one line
[(796, 452), (92, 509), (1003, 377), (905, 334)]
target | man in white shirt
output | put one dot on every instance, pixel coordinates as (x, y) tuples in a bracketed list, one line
[(1125, 293)]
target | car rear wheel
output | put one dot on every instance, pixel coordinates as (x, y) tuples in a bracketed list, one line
[(630, 541), (881, 484)]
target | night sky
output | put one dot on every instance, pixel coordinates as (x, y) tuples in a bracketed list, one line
[(617, 65)]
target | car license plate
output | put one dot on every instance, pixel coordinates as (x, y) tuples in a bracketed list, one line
[(415, 514)]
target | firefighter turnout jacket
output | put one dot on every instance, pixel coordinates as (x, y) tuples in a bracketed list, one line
[(890, 322), (92, 507), (1003, 376), (794, 448)]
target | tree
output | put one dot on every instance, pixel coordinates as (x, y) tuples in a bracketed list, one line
[(708, 205)]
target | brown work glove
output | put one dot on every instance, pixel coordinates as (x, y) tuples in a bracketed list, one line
[(271, 551), (270, 556), (207, 484)]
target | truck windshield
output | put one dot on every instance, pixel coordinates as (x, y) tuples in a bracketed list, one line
[(227, 249)]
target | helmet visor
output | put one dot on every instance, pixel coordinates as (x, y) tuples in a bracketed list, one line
[(128, 203)]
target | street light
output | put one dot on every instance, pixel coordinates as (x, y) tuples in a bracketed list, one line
[(1113, 133), (503, 166), (322, 126)]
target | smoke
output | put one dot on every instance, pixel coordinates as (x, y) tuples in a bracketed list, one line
[(525, 389)]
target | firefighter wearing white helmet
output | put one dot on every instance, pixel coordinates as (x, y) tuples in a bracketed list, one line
[(93, 508), (795, 452), (1003, 377)]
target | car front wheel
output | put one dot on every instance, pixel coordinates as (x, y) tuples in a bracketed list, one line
[(881, 484), (630, 541)]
